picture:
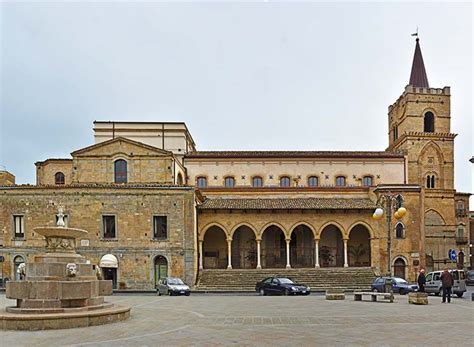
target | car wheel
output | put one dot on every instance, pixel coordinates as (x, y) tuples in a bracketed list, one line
[(170, 293), (402, 292), (188, 293), (158, 292), (437, 293), (459, 295), (286, 292), (262, 291)]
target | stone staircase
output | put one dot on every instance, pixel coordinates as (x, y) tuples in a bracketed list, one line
[(243, 280)]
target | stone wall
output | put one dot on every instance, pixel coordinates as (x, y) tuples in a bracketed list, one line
[(134, 245), (46, 171)]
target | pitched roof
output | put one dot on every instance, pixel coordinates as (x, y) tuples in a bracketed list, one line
[(293, 154), (124, 139), (418, 77), (287, 204)]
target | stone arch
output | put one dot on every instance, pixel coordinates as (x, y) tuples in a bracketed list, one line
[(339, 226), (368, 226), (210, 225), (313, 230), (302, 253), (435, 213), (250, 226), (435, 224), (400, 265), (244, 247), (179, 179), (214, 247), (358, 246), (275, 224), (400, 230), (161, 267), (273, 246), (17, 259), (331, 245)]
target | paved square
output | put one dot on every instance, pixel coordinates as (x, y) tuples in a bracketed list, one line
[(214, 320)]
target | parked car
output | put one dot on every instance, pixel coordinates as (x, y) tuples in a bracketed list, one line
[(470, 278), (172, 286), (433, 282), (281, 286), (399, 285)]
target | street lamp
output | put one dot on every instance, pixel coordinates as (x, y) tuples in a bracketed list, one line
[(392, 202)]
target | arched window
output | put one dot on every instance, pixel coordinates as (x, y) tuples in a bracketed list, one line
[(257, 182), (59, 178), (312, 181), (367, 181), (399, 231), (460, 232), (429, 122), (284, 181), (395, 132), (179, 179), (201, 182), (430, 181), (120, 171), (340, 181), (229, 182), (16, 264)]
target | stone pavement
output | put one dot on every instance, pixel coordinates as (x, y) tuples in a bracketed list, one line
[(215, 320)]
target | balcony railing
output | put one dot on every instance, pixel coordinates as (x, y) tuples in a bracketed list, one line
[(461, 239)]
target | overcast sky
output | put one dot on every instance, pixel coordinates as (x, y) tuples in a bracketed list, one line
[(258, 75)]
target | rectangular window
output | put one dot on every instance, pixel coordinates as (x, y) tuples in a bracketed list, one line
[(160, 227), (109, 227), (18, 227)]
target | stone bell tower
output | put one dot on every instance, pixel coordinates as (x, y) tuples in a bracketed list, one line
[(420, 127)]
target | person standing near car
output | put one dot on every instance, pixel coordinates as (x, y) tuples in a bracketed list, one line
[(421, 281), (447, 283)]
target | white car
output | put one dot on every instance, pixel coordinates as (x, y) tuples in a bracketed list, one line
[(172, 286), (433, 282)]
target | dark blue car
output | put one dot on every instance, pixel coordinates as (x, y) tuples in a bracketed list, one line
[(399, 285)]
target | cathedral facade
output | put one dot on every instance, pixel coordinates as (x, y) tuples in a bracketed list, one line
[(155, 206)]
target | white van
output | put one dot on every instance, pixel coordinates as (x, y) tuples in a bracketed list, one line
[(433, 282)]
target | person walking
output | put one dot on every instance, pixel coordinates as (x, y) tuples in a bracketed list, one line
[(421, 281), (447, 283)]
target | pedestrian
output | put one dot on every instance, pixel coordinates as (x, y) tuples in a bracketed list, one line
[(421, 281), (447, 283)]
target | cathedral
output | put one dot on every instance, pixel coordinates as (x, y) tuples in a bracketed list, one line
[(155, 206)]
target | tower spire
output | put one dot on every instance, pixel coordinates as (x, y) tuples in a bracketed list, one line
[(418, 76)]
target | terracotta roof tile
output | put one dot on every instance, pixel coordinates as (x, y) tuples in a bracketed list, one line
[(293, 154), (287, 204), (96, 185)]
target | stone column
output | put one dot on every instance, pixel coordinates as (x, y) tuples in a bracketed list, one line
[(288, 266), (259, 265), (229, 253), (200, 255), (345, 253), (316, 250)]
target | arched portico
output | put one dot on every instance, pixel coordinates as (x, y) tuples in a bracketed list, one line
[(332, 247), (302, 247), (244, 248), (274, 247), (214, 253), (359, 249)]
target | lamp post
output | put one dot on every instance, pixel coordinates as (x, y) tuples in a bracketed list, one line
[(392, 202)]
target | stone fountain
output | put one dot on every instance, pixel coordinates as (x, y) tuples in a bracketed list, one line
[(60, 288)]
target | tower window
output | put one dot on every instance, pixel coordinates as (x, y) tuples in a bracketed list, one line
[(202, 182), (59, 178), (399, 231), (257, 182), (312, 181), (284, 181), (340, 181), (395, 132), (430, 181), (229, 182), (120, 171), (429, 122)]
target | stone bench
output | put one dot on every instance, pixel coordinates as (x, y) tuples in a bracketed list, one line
[(418, 298), (373, 295), (335, 294)]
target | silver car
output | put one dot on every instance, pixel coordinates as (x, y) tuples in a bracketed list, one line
[(172, 286), (433, 282)]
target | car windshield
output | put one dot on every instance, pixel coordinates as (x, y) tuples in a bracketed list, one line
[(286, 281), (399, 280), (174, 281)]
